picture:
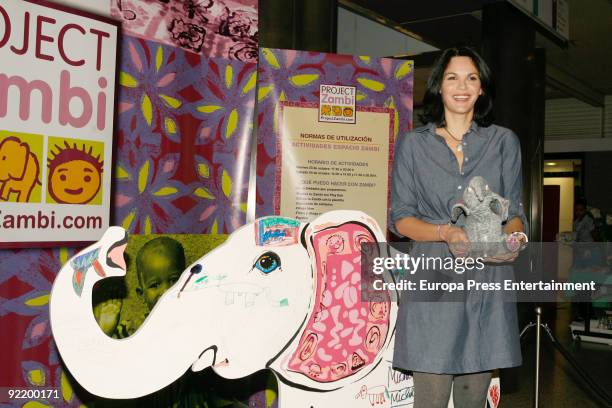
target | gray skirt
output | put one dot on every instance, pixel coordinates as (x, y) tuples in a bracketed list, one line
[(476, 334)]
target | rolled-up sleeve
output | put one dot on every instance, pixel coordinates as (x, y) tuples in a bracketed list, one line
[(403, 192), (512, 177)]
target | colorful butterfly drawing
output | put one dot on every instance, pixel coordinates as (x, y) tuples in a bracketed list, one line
[(81, 265)]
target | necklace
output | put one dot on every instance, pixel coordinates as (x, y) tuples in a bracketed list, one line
[(459, 141)]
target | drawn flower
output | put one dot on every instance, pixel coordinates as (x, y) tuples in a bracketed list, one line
[(37, 375), (219, 208), (145, 193), (149, 95), (196, 9), (223, 176), (383, 82), (226, 118), (238, 24), (245, 52), (187, 35), (30, 274), (285, 76)]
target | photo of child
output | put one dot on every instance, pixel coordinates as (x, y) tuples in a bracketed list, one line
[(155, 263)]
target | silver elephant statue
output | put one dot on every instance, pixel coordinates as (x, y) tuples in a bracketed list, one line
[(485, 212)]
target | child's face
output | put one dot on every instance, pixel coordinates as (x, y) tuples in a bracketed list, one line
[(158, 275), (74, 182)]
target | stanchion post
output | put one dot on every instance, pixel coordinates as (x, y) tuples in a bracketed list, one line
[(537, 365)]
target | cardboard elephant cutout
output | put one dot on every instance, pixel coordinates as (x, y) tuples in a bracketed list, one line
[(277, 294)]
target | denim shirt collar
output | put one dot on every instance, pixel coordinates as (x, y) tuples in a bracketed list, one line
[(474, 128)]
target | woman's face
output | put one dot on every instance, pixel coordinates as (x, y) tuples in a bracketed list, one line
[(460, 86)]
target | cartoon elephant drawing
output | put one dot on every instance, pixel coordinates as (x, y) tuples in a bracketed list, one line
[(19, 169), (278, 294)]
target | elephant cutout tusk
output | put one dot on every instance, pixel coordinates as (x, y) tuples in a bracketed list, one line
[(207, 359), (223, 363)]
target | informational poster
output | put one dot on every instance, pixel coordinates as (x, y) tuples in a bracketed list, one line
[(326, 166), (326, 126), (57, 95)]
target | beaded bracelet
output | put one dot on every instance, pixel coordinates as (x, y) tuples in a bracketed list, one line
[(440, 231)]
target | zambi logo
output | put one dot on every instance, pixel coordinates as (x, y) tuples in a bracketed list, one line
[(337, 104)]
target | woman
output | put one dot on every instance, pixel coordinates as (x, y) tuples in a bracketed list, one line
[(442, 342)]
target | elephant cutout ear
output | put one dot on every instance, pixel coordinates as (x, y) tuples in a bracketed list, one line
[(105, 258), (343, 337), (457, 210), (500, 207)]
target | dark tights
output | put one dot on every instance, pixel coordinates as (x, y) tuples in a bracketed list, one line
[(433, 390)]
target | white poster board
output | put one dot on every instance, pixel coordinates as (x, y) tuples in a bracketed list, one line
[(57, 96)]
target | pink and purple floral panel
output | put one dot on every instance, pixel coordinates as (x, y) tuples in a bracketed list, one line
[(182, 165), (214, 28)]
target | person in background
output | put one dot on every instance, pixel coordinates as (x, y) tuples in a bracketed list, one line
[(584, 226)]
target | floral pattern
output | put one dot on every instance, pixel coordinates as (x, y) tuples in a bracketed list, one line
[(214, 28), (25, 282), (287, 75), (182, 166), (184, 140)]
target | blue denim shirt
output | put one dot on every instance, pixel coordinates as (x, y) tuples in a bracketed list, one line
[(480, 333), (427, 181)]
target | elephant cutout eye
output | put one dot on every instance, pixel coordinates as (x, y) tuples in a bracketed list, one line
[(268, 262)]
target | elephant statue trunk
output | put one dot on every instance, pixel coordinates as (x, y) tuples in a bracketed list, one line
[(109, 367)]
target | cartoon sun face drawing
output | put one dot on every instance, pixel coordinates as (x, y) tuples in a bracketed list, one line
[(75, 176), (348, 112)]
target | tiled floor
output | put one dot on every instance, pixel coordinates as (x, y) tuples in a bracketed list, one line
[(560, 384)]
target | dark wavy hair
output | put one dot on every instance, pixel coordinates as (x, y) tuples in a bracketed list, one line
[(433, 108)]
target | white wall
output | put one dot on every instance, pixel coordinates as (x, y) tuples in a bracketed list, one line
[(100, 7), (358, 35)]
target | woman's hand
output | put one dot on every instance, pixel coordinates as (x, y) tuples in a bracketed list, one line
[(517, 242), (457, 240), (502, 258)]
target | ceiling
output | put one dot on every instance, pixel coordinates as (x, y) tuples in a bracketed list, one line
[(582, 69)]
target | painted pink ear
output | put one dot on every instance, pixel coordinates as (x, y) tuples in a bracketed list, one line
[(344, 334), (115, 254)]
